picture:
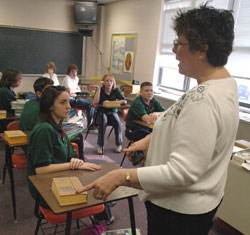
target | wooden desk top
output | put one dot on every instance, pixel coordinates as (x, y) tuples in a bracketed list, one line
[(43, 185), (149, 125)]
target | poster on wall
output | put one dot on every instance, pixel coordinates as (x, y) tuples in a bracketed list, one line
[(122, 57), (128, 61)]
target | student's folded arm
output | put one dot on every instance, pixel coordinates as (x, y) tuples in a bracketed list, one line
[(53, 168), (97, 95), (146, 118)]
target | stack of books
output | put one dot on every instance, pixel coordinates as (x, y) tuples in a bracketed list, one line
[(64, 189), (72, 130), (125, 231), (3, 114), (15, 137), (241, 156), (111, 104), (17, 106)]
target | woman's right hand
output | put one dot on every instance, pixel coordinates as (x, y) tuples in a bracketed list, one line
[(139, 145)]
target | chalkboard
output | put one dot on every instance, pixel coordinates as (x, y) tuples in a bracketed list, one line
[(29, 51), (122, 57)]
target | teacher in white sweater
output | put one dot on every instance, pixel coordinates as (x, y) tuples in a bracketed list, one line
[(187, 155)]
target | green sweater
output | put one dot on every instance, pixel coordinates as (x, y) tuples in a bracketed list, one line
[(29, 115), (6, 96), (138, 109), (46, 147), (115, 94)]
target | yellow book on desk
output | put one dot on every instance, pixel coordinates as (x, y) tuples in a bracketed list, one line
[(15, 137), (64, 189), (111, 104), (3, 114)]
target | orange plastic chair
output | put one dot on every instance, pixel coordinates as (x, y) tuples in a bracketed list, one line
[(55, 219), (76, 148), (19, 160)]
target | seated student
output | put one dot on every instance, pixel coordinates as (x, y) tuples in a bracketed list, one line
[(71, 82), (107, 90), (11, 79), (30, 112), (49, 149), (145, 108), (51, 73)]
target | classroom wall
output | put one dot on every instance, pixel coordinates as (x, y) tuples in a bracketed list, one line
[(56, 15), (129, 16), (39, 14)]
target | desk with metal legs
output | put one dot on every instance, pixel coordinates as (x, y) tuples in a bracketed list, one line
[(9, 148), (43, 185)]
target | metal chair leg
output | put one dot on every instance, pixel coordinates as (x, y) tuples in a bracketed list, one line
[(124, 156), (110, 131), (38, 224)]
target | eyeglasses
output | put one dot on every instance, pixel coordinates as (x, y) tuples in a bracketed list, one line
[(176, 43)]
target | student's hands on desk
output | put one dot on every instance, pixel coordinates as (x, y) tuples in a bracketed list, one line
[(77, 164)]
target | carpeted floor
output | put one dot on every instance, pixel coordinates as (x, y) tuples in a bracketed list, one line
[(25, 204)]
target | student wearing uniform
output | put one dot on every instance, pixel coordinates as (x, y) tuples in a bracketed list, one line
[(144, 108), (107, 91), (30, 112), (71, 83), (189, 150), (49, 149), (10, 80), (51, 73)]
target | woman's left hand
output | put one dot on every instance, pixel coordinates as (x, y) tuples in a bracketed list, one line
[(104, 185), (89, 166)]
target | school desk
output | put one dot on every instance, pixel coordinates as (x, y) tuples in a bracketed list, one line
[(235, 207), (143, 123), (43, 183), (9, 148)]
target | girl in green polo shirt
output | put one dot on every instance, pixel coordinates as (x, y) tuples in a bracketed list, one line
[(11, 79), (107, 91), (49, 149)]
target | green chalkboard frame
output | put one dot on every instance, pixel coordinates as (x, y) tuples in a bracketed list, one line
[(29, 50)]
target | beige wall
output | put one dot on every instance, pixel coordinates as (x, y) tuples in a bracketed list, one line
[(130, 16), (39, 14)]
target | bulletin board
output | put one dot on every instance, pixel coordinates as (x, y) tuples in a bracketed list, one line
[(122, 57)]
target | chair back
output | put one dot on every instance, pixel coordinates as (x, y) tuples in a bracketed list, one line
[(13, 126), (124, 114)]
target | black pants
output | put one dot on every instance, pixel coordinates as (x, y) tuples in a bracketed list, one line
[(167, 222), (79, 141), (84, 104)]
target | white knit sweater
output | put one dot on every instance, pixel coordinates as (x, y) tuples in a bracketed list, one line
[(190, 149)]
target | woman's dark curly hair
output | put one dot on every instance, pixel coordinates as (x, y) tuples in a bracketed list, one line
[(207, 25)]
